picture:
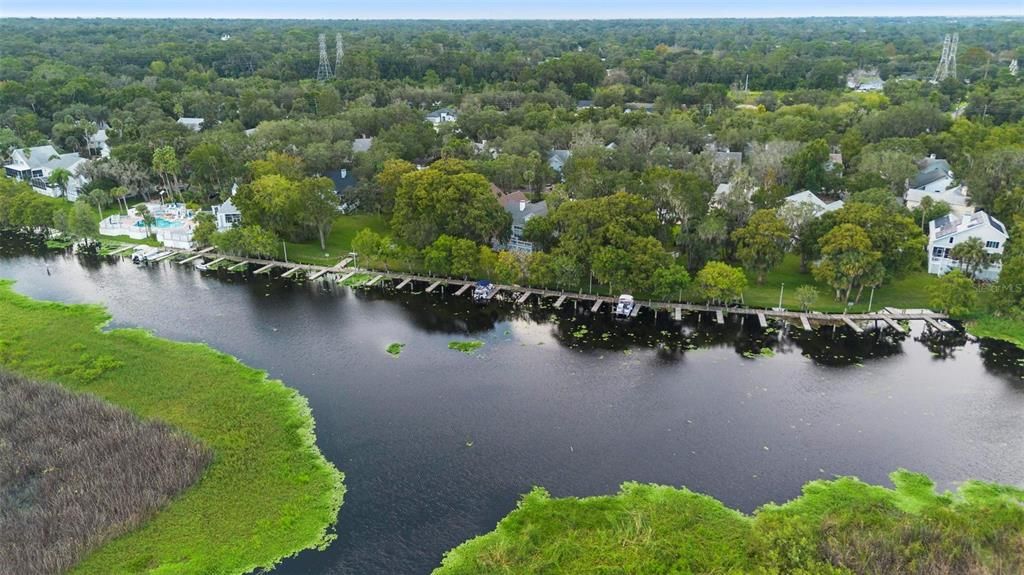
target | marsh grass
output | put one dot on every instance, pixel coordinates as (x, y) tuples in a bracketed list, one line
[(268, 493), (76, 471), (839, 527)]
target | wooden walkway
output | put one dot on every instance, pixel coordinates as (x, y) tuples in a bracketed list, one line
[(889, 316)]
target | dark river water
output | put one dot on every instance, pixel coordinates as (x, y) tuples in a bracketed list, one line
[(438, 445)]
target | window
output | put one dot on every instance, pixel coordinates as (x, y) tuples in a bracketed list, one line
[(950, 240), (992, 245), (939, 252)]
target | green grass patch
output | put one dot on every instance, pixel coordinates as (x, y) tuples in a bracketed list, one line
[(465, 346), (339, 242), (269, 492), (150, 241), (395, 349), (907, 292), (1003, 328), (836, 527)]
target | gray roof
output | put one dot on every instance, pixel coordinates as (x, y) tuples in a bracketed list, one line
[(43, 157), (952, 196), (930, 170), (361, 144), (520, 216), (438, 112), (227, 208), (560, 155), (951, 223), (729, 157)]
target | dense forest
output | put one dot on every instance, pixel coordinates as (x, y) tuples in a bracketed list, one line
[(648, 114)]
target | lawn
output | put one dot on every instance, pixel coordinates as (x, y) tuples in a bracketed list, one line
[(268, 493), (1006, 329), (907, 292), (339, 243), (840, 526)]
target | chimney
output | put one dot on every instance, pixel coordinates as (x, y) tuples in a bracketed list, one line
[(931, 156), (522, 205)]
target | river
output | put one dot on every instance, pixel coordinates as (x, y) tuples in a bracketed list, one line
[(438, 445)]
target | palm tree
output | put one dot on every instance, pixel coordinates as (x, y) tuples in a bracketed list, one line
[(972, 256), (147, 217), (100, 197), (60, 178)]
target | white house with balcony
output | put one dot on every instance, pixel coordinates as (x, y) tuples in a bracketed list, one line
[(522, 210), (950, 230), (811, 199), (442, 116), (34, 165)]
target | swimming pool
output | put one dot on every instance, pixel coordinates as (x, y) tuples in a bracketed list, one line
[(159, 223)]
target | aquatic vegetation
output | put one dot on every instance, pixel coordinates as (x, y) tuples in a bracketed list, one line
[(268, 493), (395, 349), (834, 527), (465, 346), (763, 352), (356, 280), (54, 442)]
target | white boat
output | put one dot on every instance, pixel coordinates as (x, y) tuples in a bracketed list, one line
[(484, 291), (625, 306), (143, 254), (201, 265)]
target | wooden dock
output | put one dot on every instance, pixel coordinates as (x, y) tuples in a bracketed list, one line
[(197, 255), (463, 289), (635, 311), (522, 299), (719, 317), (433, 286), (373, 280), (163, 256), (346, 276), (291, 272), (804, 322), (852, 324), (215, 262), (266, 268), (762, 320), (122, 249), (405, 282), (939, 325), (238, 266), (596, 306), (677, 313), (559, 301), (892, 323)]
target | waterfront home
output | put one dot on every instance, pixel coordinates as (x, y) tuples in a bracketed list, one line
[(817, 204), (724, 192), (522, 210), (98, 143), (950, 230), (34, 165), (933, 174), (173, 225), (228, 216)]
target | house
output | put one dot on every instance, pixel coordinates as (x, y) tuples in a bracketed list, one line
[(934, 179), (481, 148), (933, 174), (194, 124), (865, 81), (723, 193), (558, 158), (810, 198), (522, 210), (361, 145), (956, 197), (728, 160), (34, 165), (950, 230), (227, 214), (98, 143), (647, 107), (344, 180), (584, 104), (442, 116)]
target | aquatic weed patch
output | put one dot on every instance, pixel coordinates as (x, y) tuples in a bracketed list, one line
[(395, 349), (466, 347), (268, 494)]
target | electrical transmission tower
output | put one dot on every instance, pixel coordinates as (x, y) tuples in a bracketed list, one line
[(1013, 67), (947, 63), (323, 71), (339, 52)]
